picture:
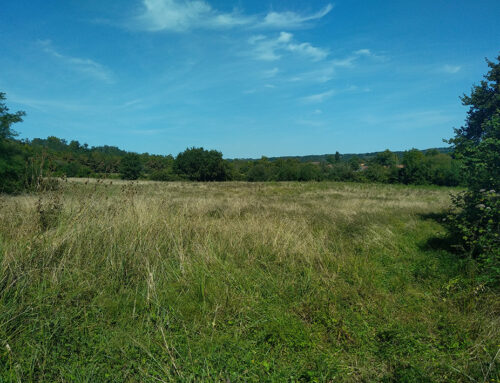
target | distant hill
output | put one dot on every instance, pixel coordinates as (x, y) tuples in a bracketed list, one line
[(344, 157)]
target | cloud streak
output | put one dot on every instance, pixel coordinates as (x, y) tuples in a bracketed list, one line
[(85, 66), (318, 98), (181, 16), (291, 19), (271, 49), (451, 69)]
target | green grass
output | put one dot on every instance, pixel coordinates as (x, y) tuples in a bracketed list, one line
[(292, 282)]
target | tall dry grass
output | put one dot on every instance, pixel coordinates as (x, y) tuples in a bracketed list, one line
[(119, 281)]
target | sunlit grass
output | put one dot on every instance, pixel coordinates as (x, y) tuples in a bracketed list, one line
[(238, 282)]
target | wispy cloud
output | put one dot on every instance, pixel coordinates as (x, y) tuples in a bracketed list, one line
[(451, 69), (85, 66), (356, 55), (181, 16), (46, 105), (318, 98), (271, 49), (270, 73), (130, 104), (363, 52), (287, 20), (328, 68)]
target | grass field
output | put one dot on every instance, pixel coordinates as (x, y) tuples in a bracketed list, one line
[(236, 282)]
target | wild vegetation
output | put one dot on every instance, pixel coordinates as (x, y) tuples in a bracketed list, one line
[(118, 281), (111, 280)]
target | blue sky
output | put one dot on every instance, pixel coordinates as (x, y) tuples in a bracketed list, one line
[(248, 78)]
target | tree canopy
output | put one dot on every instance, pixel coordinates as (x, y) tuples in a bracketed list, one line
[(198, 164), (476, 221), (11, 157), (8, 119)]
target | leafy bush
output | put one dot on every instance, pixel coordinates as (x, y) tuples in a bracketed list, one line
[(475, 223)]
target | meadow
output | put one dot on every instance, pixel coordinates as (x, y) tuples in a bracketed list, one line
[(113, 281)]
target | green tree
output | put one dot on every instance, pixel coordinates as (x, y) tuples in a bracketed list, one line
[(476, 143), (198, 164), (12, 164), (415, 168), (8, 119), (476, 220), (385, 158), (333, 159), (130, 166)]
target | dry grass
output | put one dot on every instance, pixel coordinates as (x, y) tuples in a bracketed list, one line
[(157, 281)]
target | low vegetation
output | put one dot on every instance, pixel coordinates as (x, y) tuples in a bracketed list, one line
[(127, 282)]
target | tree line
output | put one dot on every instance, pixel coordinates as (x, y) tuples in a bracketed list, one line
[(57, 157)]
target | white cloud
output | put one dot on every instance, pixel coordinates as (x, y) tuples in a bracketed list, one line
[(270, 73), (131, 103), (269, 49), (179, 16), (83, 65), (349, 61), (183, 15), (328, 69), (451, 69), (318, 98), (306, 49), (292, 19), (363, 52)]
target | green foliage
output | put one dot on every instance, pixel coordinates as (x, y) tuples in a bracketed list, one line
[(385, 158), (12, 162), (377, 173), (130, 166), (476, 221), (198, 164), (8, 119), (415, 170), (12, 167)]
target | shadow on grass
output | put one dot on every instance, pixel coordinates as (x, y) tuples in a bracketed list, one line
[(444, 242)]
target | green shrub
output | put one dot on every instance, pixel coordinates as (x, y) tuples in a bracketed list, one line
[(475, 224)]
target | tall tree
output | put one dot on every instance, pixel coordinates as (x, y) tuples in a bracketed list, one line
[(7, 119), (476, 222), (11, 156)]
